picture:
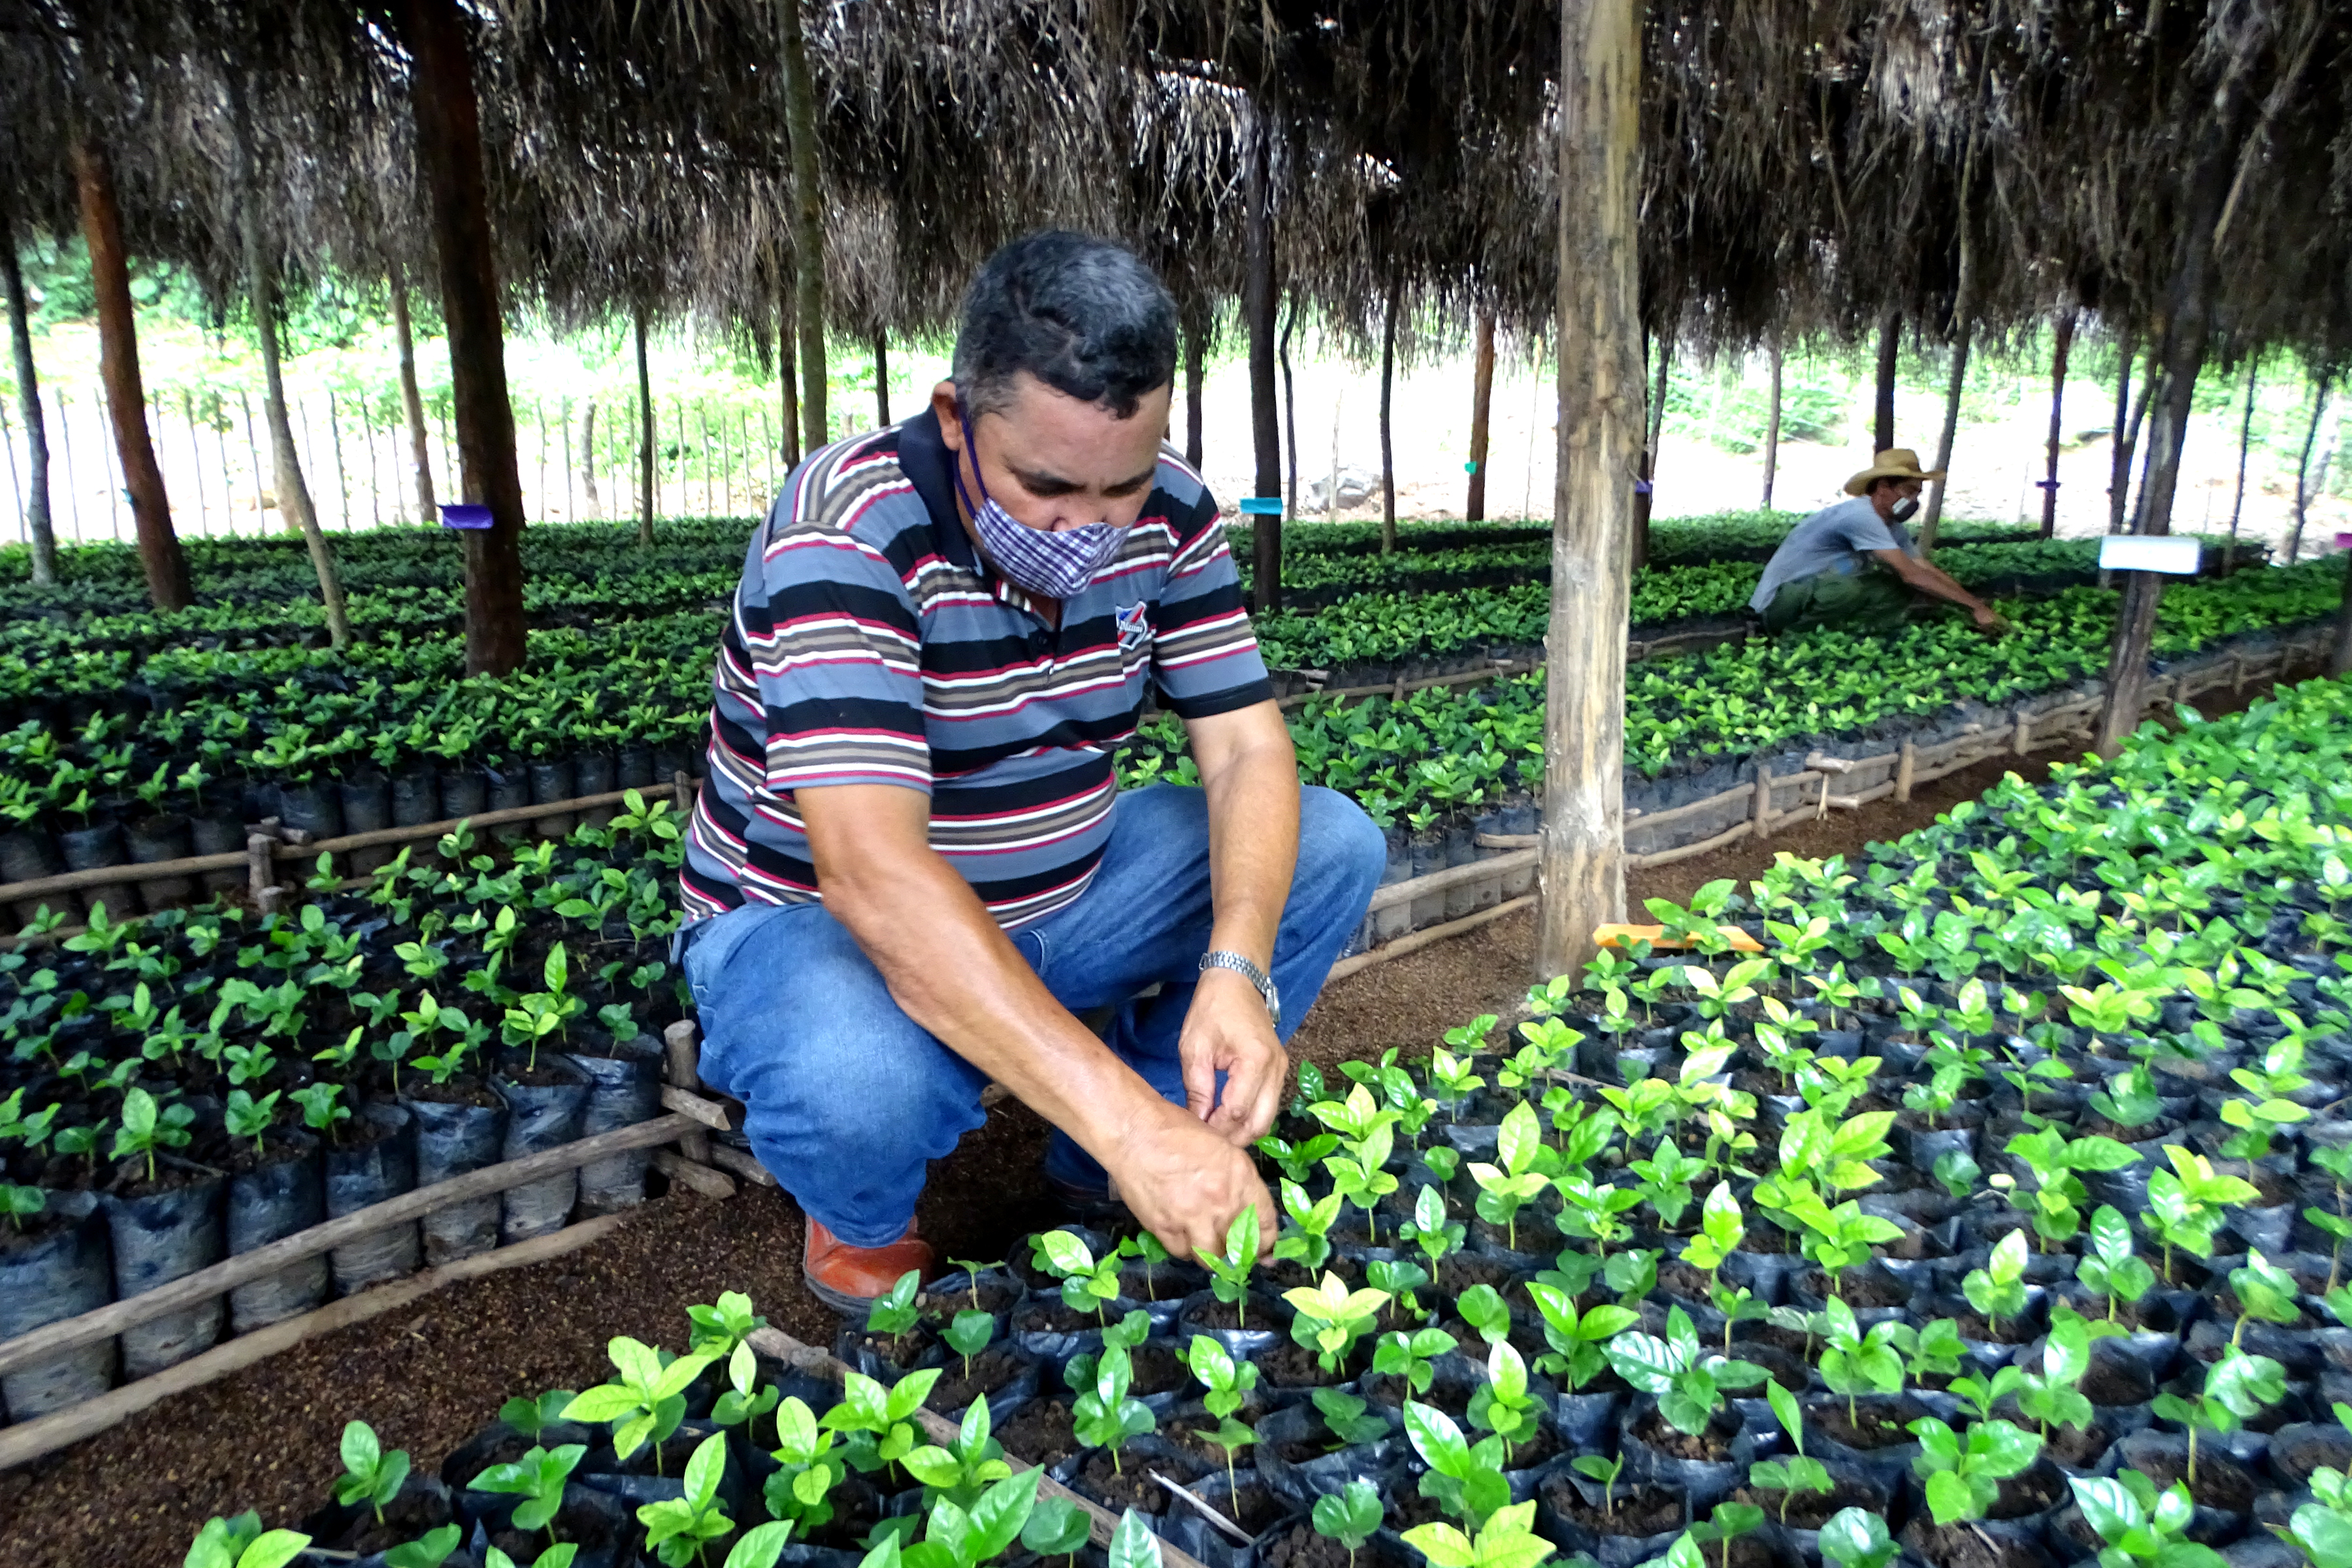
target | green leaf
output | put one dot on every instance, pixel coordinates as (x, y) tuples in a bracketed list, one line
[(606, 1402), (1445, 1546), (1948, 1498), (761, 1546), (1068, 1253), (273, 1549), (2108, 1507), (2325, 1535), (1132, 1544), (1001, 1511), (1784, 1409), (1856, 1537), (1436, 1439), (360, 1448)]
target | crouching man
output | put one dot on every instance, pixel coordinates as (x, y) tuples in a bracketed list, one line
[(911, 867)]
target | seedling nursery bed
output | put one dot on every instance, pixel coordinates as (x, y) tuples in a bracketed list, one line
[(1992, 1212)]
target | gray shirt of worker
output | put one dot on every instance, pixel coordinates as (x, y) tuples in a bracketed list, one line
[(1835, 538)]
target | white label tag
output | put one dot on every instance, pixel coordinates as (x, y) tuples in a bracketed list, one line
[(2149, 552)]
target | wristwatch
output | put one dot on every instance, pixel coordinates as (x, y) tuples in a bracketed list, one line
[(1251, 972)]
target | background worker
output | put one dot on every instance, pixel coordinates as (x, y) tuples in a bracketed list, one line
[(1855, 564), (910, 864)]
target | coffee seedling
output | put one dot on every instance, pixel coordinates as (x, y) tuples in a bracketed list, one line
[(1856, 1537), (1997, 1290), (675, 1528), (1229, 1272), (1104, 1415), (876, 1424), (538, 1478), (1087, 1283), (2108, 1268), (1407, 1354), (960, 1472), (646, 1401), (1964, 1474), (1507, 1540), (1601, 1468), (894, 1312), (241, 1543), (1346, 1417), (2143, 1527), (1797, 1475), (1856, 1362), (369, 1474), (1727, 1523), (1349, 1517), (808, 1468), (1331, 1318)]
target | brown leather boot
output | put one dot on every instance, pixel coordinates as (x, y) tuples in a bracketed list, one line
[(848, 1278)]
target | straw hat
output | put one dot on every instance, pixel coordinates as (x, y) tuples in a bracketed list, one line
[(1895, 463)]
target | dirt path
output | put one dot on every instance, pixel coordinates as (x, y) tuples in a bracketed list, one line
[(428, 1379)]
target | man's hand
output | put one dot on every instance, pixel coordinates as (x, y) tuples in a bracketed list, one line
[(1227, 1031), (1988, 619), (1185, 1183)]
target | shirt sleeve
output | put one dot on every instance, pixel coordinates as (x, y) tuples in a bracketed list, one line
[(1204, 656), (831, 635), (1865, 530)]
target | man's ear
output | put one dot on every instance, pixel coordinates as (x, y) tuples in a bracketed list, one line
[(945, 405)]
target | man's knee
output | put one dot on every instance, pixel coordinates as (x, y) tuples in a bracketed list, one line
[(1338, 846)]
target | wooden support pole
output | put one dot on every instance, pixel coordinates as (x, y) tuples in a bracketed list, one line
[(730, 1158), (1388, 443), (682, 1062), (449, 155), (1195, 373), (412, 404), (1773, 425), (1599, 438), (1890, 350), (1763, 809), (30, 1440), (2066, 341), (649, 494), (808, 220), (1906, 769), (2020, 737), (160, 555), (1257, 317), (691, 1173), (1482, 405), (40, 534)]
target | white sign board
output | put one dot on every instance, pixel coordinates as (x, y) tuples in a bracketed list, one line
[(2149, 553)]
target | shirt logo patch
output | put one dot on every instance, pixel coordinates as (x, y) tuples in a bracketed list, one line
[(1134, 627)]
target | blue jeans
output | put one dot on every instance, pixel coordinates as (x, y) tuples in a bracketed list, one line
[(846, 1100)]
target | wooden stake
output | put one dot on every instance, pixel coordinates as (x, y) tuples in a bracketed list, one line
[(1482, 404), (1906, 768), (1763, 811), (2021, 736), (683, 1063), (710, 1184)]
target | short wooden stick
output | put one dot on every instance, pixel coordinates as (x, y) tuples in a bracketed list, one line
[(1907, 767)]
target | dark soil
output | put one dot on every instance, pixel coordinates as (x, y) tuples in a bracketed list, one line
[(1957, 1546), (1713, 1445), (25, 1233), (899, 1349), (1055, 1317), (1263, 1313), (1640, 1511), (1187, 1433), (1872, 1426), (405, 1518), (1811, 1510), (575, 1522), (1129, 1483), (2093, 1125), (1857, 1288), (2078, 1449), (459, 1090), (2014, 1331), (1300, 1547), (992, 1369), (1291, 1275), (1457, 1271), (1159, 1370), (1043, 1433), (2038, 1488), (243, 1157), (2221, 1482), (996, 1296), (1293, 1366), (2109, 1382)]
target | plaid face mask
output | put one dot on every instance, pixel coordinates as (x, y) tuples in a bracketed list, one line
[(1057, 565)]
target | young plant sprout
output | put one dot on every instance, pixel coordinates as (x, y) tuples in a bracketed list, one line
[(1056, 1528), (1503, 1404), (1307, 1240), (1727, 1523), (241, 1543), (962, 1470), (1999, 1288), (894, 1311), (1604, 1469), (1105, 1416), (744, 1401), (2052, 1394), (1348, 1419), (2187, 1204), (1521, 1148), (1964, 1475), (808, 1468), (1408, 1353), (968, 1333), (1145, 1247), (2337, 1163), (1507, 1540), (370, 1474), (720, 1327), (1466, 1481), (646, 1401), (1687, 1383), (677, 1528), (1429, 1230), (1350, 1516), (538, 1478), (2108, 1268), (1331, 1318), (878, 1425), (2143, 1527), (1856, 1537), (1797, 1475), (1578, 1342), (1229, 1272), (1856, 1362), (1087, 1283)]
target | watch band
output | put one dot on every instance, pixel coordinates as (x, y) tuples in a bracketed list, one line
[(1251, 972)]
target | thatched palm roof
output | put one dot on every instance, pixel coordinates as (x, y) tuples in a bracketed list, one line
[(1805, 164)]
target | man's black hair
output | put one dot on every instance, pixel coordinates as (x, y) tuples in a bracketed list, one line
[(1082, 315)]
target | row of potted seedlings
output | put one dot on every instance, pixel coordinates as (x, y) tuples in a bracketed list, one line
[(186, 1088)]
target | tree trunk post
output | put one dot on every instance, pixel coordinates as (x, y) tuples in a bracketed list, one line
[(2058, 353), (159, 555), (2180, 353), (1933, 521), (1890, 350), (39, 530), (1653, 434), (449, 154), (261, 296), (1387, 450), (2126, 431), (588, 460), (1257, 308), (1772, 426), (646, 505), (1482, 407), (1584, 858), (2339, 647), (807, 221), (788, 392), (412, 404), (882, 379), (1194, 373), (2245, 439), (1289, 414), (2305, 486)]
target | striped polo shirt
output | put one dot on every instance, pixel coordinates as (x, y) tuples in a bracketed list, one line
[(870, 643)]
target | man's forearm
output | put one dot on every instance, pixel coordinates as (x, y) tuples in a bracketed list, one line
[(1253, 798), (959, 976), (1936, 581)]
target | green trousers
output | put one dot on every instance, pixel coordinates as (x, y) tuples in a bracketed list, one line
[(1872, 600)]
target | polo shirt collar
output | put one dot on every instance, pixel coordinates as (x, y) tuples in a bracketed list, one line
[(929, 467)]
